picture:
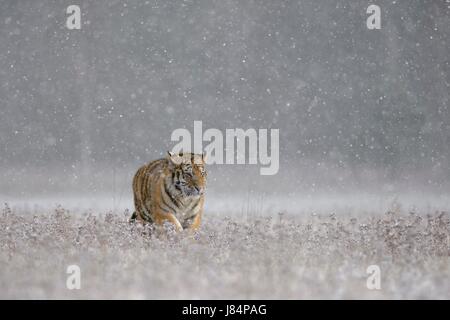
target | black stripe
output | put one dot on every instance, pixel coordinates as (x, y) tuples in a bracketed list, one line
[(170, 197), (144, 182), (166, 189), (147, 217), (195, 206)]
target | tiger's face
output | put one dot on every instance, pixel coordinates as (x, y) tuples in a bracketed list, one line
[(188, 173)]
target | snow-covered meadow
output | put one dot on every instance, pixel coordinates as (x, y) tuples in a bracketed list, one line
[(234, 256)]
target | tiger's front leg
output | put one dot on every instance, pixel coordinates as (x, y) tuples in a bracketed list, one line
[(159, 217), (193, 224)]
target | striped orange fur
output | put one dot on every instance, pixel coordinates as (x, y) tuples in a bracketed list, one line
[(171, 190)]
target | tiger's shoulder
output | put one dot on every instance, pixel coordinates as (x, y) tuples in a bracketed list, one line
[(148, 174)]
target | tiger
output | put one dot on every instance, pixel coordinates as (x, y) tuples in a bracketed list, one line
[(171, 189)]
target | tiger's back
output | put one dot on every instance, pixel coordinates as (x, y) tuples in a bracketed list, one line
[(172, 190)]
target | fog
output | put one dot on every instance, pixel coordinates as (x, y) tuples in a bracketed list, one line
[(361, 113)]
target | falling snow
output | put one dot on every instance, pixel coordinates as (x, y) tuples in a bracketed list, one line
[(364, 123)]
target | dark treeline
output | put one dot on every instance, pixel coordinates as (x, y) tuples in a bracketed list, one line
[(115, 90)]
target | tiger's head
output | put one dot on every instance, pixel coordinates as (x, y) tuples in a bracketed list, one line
[(188, 173)]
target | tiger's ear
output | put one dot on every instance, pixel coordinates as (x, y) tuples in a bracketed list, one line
[(173, 158), (204, 157)]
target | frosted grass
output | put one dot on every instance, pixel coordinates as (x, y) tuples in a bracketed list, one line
[(279, 256)]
